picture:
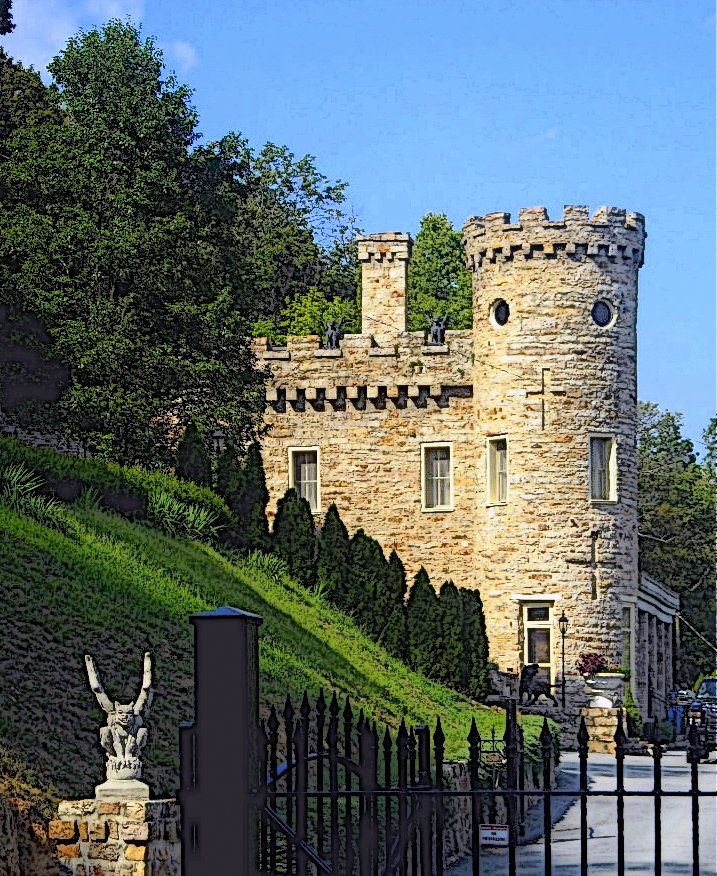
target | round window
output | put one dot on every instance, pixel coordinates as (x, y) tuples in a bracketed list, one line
[(501, 312), (602, 313)]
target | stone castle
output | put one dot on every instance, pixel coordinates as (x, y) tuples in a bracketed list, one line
[(502, 457)]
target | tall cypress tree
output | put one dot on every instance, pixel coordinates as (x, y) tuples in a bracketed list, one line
[(193, 463), (423, 622), (475, 680), (452, 655), (332, 561), (243, 487), (393, 595), (294, 537), (366, 572)]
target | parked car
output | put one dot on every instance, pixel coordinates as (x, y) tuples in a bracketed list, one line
[(703, 716)]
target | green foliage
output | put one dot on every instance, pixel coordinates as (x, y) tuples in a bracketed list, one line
[(19, 487), (364, 593), (293, 537), (23, 96), (632, 710), (121, 488), (179, 519), (475, 678), (452, 655), (393, 634), (423, 626), (332, 558), (677, 527), (243, 487), (438, 281), (120, 240), (7, 25), (193, 461), (268, 565), (307, 313)]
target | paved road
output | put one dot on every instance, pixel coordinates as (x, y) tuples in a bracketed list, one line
[(639, 824)]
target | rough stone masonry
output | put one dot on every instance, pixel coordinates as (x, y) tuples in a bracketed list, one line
[(528, 421)]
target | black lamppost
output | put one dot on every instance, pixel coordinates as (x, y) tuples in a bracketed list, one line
[(563, 625), (218, 439)]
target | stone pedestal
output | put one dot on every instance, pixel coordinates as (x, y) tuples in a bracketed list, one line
[(122, 837), (601, 725)]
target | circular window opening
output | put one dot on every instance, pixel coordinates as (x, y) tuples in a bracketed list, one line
[(602, 313), (501, 312)]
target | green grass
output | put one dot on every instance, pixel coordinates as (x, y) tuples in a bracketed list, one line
[(113, 588)]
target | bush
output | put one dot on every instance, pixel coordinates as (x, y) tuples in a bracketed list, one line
[(294, 538), (332, 560), (19, 487), (364, 593), (120, 488), (453, 654), (423, 623), (634, 718), (475, 679), (393, 633), (243, 487), (180, 519), (193, 461)]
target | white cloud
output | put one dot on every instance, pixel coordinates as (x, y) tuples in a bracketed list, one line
[(549, 134), (184, 56), (44, 26)]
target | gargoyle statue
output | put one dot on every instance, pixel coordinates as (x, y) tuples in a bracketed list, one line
[(124, 735)]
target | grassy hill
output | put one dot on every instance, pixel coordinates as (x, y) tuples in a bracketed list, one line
[(115, 588)]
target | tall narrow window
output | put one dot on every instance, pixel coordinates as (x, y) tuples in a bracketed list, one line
[(627, 637), (437, 477), (538, 648), (602, 468), (304, 474), (497, 470)]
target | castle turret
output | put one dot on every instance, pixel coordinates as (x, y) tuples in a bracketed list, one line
[(384, 270), (555, 306)]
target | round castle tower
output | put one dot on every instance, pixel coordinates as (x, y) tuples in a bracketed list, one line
[(555, 389)]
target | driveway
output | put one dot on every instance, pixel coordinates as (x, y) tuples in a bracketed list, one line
[(602, 823)]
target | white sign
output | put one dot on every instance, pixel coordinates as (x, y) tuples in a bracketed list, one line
[(493, 834)]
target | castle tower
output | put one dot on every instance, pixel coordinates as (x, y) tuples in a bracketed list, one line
[(384, 272), (555, 385)]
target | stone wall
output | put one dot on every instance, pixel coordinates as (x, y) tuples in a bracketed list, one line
[(24, 846), (369, 409), (601, 725), (124, 838)]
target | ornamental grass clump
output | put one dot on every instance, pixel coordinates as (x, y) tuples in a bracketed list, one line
[(180, 519), (19, 488)]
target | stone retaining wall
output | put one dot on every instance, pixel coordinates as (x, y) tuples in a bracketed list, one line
[(123, 838)]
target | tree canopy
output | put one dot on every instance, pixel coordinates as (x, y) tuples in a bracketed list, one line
[(677, 527)]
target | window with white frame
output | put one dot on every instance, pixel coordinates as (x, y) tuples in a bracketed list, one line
[(538, 632), (602, 468), (437, 477), (627, 638), (304, 474), (497, 470)]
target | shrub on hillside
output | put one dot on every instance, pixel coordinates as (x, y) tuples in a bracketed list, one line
[(364, 593), (393, 633), (475, 678), (332, 558), (180, 519), (120, 488), (423, 624), (452, 652), (293, 537), (242, 485), (193, 461), (19, 489)]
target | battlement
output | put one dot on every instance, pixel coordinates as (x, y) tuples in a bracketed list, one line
[(611, 232), (388, 245)]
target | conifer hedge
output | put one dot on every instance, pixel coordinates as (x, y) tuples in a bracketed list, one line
[(243, 488), (293, 537), (423, 620), (332, 560)]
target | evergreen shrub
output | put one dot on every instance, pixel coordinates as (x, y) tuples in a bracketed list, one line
[(333, 556), (193, 461), (475, 677), (242, 485), (423, 625), (364, 592), (294, 538), (453, 654)]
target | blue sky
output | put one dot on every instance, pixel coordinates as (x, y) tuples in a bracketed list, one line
[(468, 108)]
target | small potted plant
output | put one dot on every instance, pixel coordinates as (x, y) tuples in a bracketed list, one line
[(605, 683)]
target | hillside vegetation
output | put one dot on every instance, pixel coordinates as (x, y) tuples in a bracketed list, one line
[(112, 587)]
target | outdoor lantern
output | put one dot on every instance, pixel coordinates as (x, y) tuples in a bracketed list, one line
[(218, 438), (563, 624)]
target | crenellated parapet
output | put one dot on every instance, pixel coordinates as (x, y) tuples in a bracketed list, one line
[(611, 232)]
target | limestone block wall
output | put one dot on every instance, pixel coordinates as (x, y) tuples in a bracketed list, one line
[(124, 837), (369, 409), (546, 379)]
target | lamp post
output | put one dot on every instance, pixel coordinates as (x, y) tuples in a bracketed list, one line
[(218, 439), (563, 625)]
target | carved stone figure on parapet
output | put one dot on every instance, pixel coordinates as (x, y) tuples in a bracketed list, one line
[(438, 329), (332, 331), (124, 735)]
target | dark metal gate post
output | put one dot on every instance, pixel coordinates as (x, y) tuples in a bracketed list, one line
[(219, 752)]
